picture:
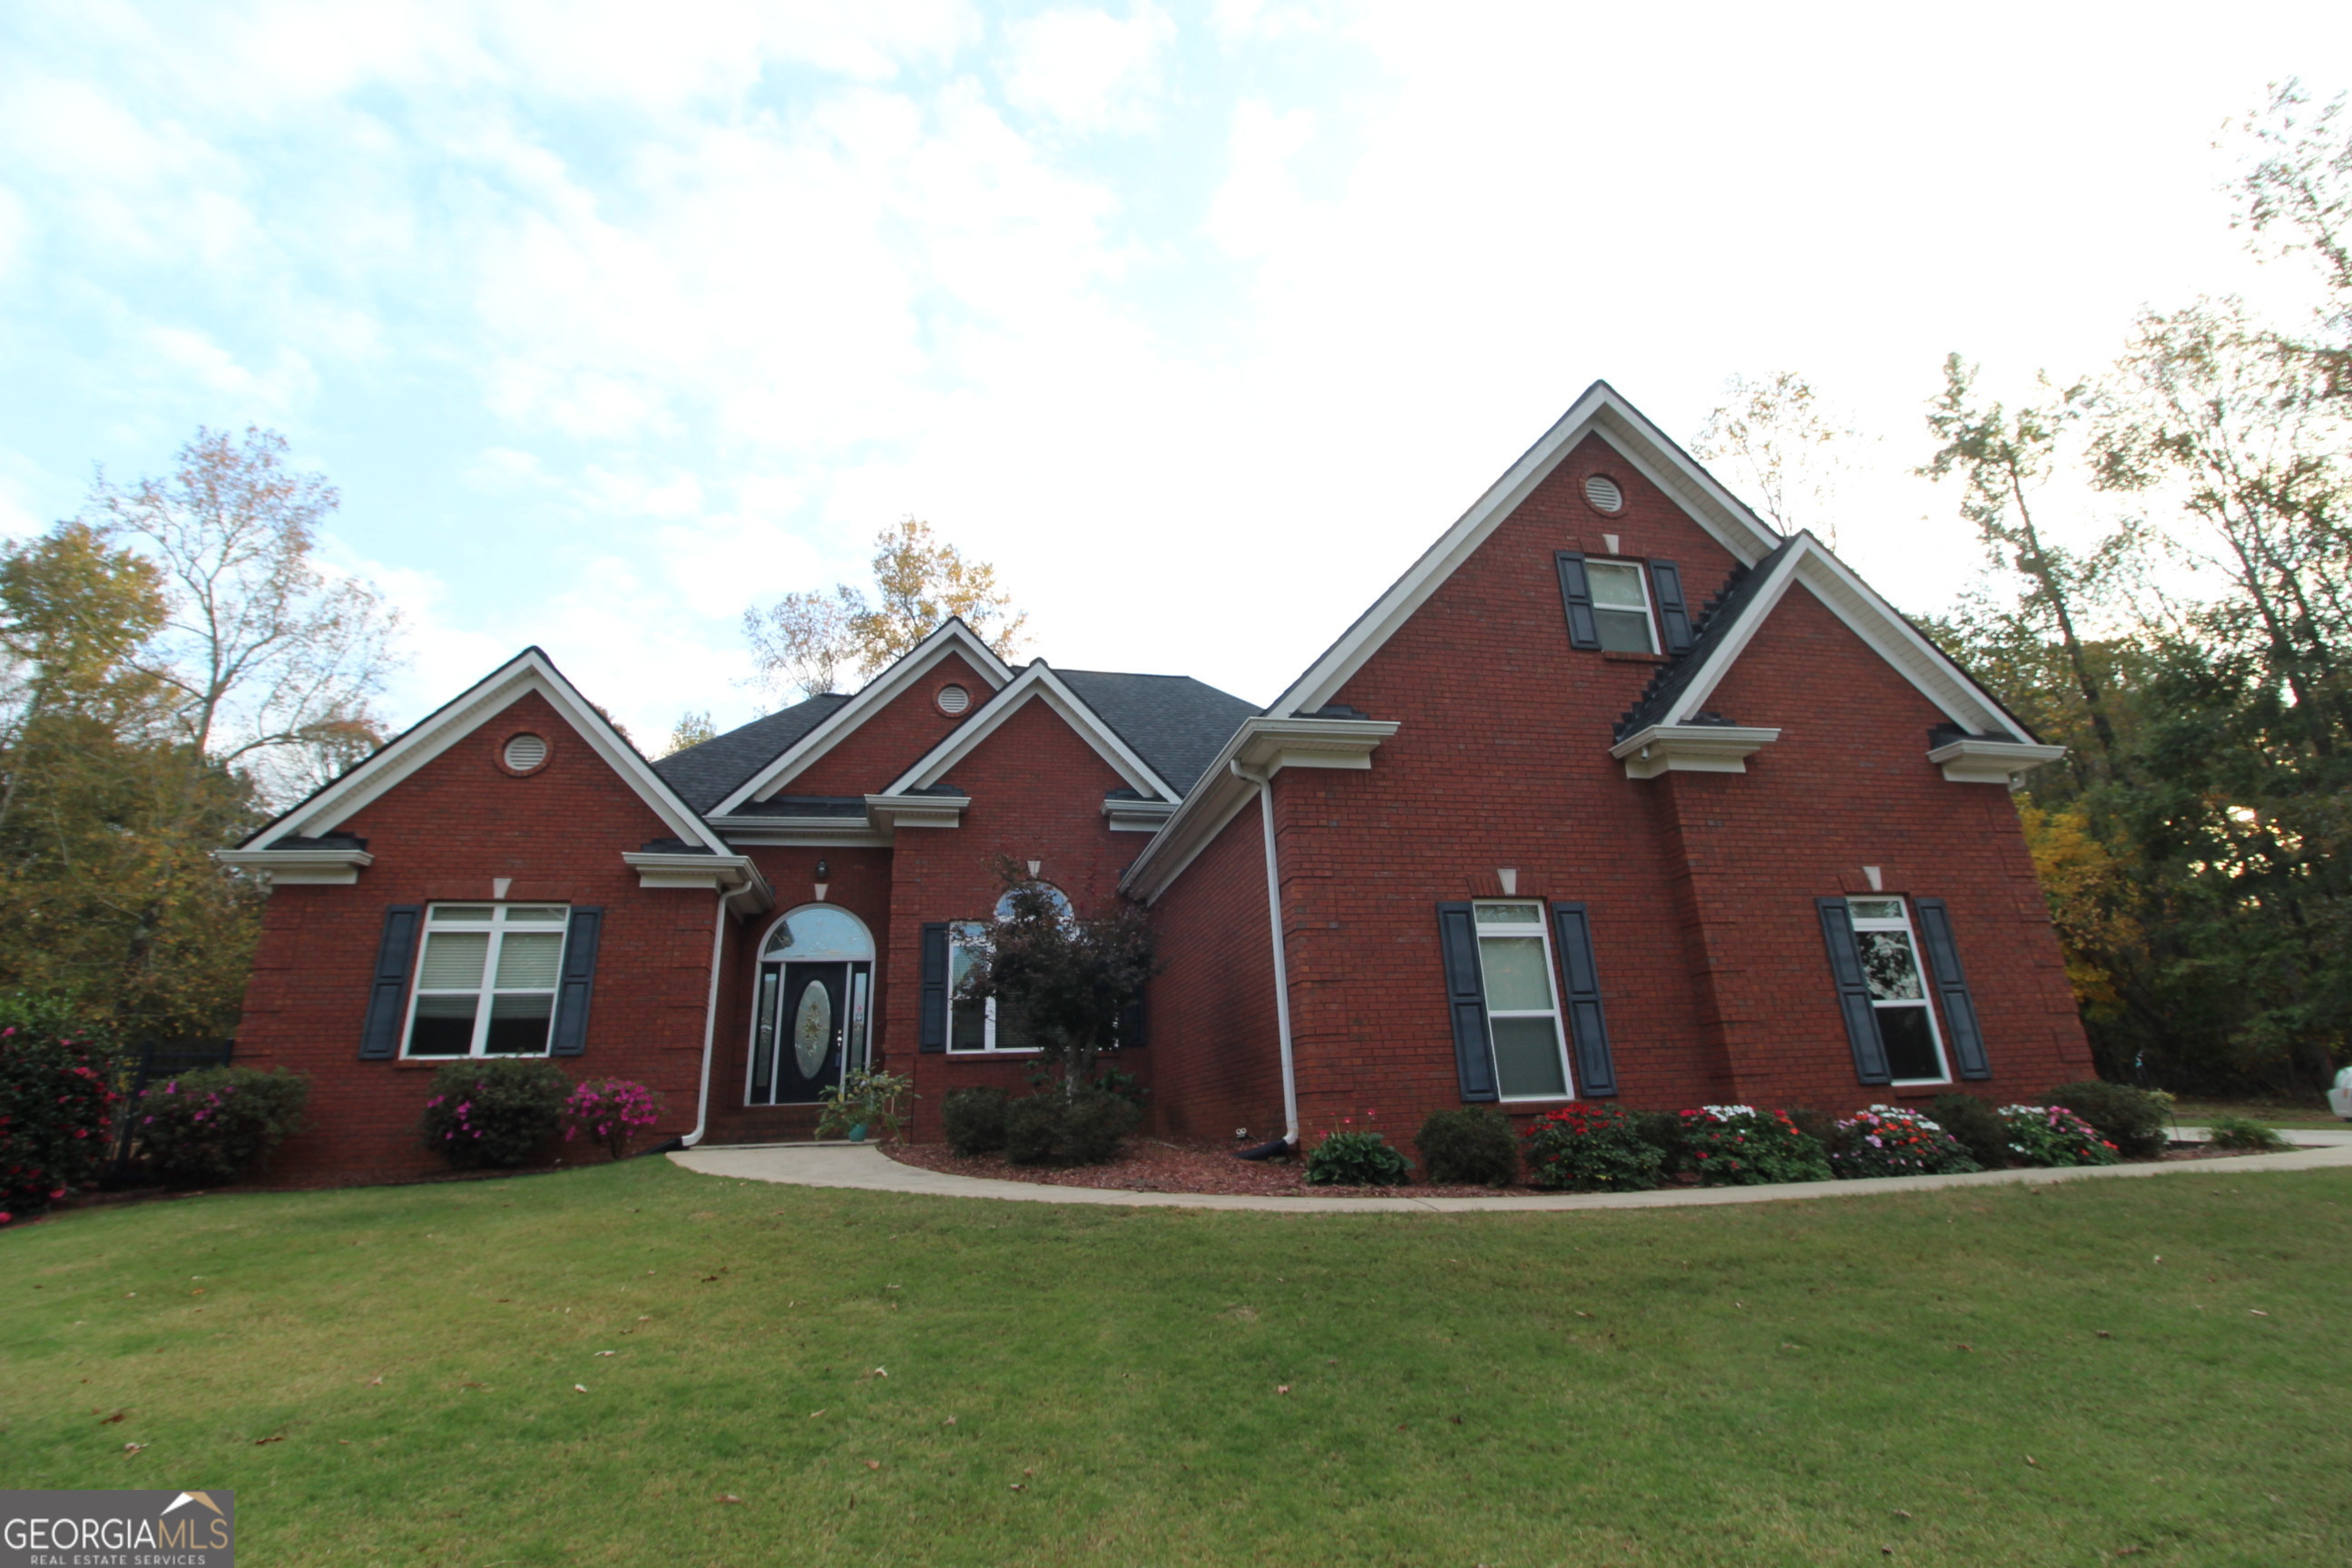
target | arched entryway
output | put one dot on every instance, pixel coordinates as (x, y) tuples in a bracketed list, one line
[(812, 1005)]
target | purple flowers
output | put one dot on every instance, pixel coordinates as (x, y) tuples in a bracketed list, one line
[(610, 1111)]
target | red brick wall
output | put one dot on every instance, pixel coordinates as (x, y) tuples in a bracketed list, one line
[(1215, 1049), (445, 833), (1036, 790), (1709, 953), (890, 740)]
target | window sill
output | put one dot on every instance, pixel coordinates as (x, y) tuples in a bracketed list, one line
[(1927, 1090), (1622, 656), (411, 1064), (985, 1055)]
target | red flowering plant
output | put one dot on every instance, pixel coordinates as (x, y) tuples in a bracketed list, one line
[(610, 1111), (56, 1111), (2053, 1135), (1740, 1146), (1888, 1141), (1589, 1147)]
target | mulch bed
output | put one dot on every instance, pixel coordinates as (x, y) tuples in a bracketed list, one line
[(1158, 1165)]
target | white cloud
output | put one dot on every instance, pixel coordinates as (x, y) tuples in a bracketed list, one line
[(1087, 70)]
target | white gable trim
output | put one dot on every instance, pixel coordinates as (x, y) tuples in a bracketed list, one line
[(1601, 412), (529, 671), (952, 637), (1869, 618), (1039, 684)]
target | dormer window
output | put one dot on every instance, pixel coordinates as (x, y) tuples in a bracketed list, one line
[(1621, 607)]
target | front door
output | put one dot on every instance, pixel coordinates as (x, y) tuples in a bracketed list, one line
[(805, 1032)]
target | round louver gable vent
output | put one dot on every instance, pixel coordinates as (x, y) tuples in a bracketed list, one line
[(955, 699), (525, 752), (1603, 492)]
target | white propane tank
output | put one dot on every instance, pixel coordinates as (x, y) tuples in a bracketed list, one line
[(2339, 1098)]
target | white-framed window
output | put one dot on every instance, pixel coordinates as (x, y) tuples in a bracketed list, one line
[(1621, 605), (1907, 1028), (1523, 1021), (987, 1026), (486, 983)]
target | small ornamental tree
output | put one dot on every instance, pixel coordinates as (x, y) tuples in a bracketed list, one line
[(55, 1110), (1071, 978)]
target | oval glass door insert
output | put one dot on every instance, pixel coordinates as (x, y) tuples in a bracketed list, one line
[(812, 1029)]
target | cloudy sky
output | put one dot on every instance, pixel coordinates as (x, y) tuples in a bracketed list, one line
[(1198, 321)]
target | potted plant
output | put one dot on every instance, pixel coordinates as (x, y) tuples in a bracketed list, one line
[(864, 1102)]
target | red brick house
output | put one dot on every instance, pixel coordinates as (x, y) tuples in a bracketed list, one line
[(1617, 793)]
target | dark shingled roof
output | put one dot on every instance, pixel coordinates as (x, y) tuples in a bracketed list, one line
[(705, 775), (1174, 722), (1663, 696)]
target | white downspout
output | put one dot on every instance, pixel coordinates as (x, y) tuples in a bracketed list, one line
[(1281, 963), (710, 1026)]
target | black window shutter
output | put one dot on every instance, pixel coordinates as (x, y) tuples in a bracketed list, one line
[(387, 994), (1588, 1031), (570, 1035), (1473, 1056), (1961, 1029), (1576, 596), (1132, 1029), (1853, 992), (934, 1033), (1674, 615)]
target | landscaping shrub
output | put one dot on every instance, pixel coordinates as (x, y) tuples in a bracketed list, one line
[(1584, 1147), (1814, 1122), (494, 1111), (2053, 1135), (1887, 1140), (1471, 1146), (2243, 1132), (1978, 1126), (1740, 1146), (2137, 1122), (866, 1102), (216, 1124), (1663, 1131), (55, 1110), (1057, 1128), (1351, 1159), (974, 1119), (610, 1111)]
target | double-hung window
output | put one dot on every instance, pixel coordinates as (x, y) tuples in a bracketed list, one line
[(1899, 991), (1621, 605), (487, 982), (1515, 968)]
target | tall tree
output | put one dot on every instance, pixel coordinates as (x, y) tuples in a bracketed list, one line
[(2295, 198), (1776, 436), (805, 640), (2005, 456), (277, 663)]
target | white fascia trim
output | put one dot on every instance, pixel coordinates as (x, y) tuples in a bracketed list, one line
[(895, 811), (1263, 746), (952, 637), (298, 867), (1038, 682), (1691, 749), (1600, 410), (1971, 761), (1722, 654), (733, 875), (810, 832), (527, 672), (1137, 815)]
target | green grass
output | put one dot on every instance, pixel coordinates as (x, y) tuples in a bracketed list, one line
[(387, 1375)]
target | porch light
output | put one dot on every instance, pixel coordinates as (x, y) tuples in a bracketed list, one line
[(821, 882)]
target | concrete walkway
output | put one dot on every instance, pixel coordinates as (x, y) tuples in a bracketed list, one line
[(863, 1167)]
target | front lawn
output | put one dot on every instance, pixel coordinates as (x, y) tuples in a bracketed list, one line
[(2051, 1374)]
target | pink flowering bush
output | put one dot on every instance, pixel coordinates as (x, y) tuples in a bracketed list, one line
[(215, 1125), (1888, 1141), (56, 1111), (610, 1111), (2053, 1135), (494, 1110)]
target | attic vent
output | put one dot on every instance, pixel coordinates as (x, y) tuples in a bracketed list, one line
[(955, 699), (525, 752), (1603, 492)]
